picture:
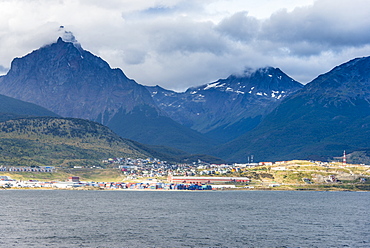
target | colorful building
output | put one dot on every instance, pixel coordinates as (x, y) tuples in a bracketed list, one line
[(205, 180)]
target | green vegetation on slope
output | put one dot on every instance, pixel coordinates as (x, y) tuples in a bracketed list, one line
[(45, 141)]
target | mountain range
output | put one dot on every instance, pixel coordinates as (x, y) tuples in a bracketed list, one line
[(262, 112), (72, 82), (227, 108), (327, 116)]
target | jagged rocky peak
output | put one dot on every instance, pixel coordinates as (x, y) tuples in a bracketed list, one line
[(67, 36), (268, 81), (329, 115), (228, 107), (72, 82), (60, 63)]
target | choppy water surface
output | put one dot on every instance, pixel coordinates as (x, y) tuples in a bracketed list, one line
[(42, 218)]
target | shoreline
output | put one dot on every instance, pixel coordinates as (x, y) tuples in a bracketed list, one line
[(332, 189)]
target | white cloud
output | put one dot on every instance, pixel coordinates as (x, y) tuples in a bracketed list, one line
[(240, 27), (183, 43), (323, 24)]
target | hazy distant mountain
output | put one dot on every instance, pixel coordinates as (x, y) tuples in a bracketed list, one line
[(72, 82), (227, 108), (12, 108), (329, 115)]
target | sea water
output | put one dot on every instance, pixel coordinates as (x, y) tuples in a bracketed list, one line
[(71, 218)]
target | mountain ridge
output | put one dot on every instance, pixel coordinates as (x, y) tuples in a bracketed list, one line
[(328, 115), (264, 113), (11, 108), (61, 69), (228, 107), (53, 141), (75, 83)]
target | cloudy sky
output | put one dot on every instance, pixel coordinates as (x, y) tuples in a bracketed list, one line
[(182, 43)]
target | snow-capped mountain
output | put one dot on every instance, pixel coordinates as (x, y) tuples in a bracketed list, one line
[(228, 107), (268, 82), (329, 115)]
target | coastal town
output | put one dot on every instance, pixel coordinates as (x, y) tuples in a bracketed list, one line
[(154, 174)]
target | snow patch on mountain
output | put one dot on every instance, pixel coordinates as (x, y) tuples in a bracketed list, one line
[(214, 85)]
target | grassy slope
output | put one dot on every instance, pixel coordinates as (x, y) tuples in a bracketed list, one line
[(56, 141), (62, 174)]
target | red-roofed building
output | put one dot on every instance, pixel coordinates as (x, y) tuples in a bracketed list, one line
[(74, 179), (202, 180)]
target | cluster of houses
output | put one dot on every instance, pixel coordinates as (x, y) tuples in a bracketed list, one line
[(180, 176), (7, 182), (154, 168), (133, 162), (196, 175), (49, 169), (74, 182)]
